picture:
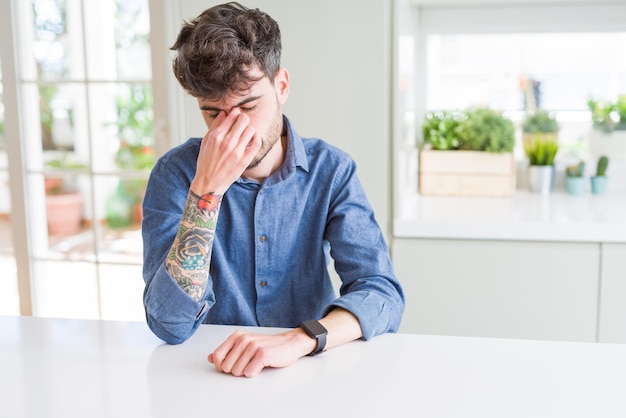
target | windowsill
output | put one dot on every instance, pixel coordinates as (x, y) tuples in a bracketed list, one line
[(525, 216)]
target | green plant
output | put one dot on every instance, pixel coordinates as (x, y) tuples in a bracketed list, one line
[(61, 170), (134, 114), (441, 130), (541, 149), (480, 129), (603, 163), (540, 121), (608, 116), (134, 156), (134, 126), (575, 170), (46, 93), (487, 130)]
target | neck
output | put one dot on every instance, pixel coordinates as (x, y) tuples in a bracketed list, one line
[(272, 162)]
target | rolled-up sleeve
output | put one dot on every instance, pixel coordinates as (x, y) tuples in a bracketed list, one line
[(370, 289), (171, 314)]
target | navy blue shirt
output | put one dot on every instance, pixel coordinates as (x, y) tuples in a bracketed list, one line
[(272, 246)]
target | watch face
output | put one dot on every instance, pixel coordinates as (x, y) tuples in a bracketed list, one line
[(314, 327)]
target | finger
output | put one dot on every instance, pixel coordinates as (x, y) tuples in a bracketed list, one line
[(234, 132), (221, 352), (241, 131), (219, 122), (241, 364), (234, 355), (244, 143), (255, 365), (222, 124), (221, 115), (217, 361), (253, 146), (213, 130)]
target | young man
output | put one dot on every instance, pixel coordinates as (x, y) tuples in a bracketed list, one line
[(239, 226)]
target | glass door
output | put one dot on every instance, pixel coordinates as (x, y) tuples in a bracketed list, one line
[(85, 80)]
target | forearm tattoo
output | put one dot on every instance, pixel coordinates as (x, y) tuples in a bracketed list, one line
[(190, 256)]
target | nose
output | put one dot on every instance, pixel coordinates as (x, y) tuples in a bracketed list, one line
[(235, 110)]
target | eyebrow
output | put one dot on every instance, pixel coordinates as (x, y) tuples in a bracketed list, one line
[(241, 103)]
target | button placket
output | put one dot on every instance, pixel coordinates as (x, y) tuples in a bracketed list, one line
[(261, 265)]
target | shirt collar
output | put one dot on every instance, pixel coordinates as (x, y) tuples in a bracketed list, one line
[(295, 155)]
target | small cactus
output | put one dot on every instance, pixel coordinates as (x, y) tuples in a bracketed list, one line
[(576, 170), (603, 163)]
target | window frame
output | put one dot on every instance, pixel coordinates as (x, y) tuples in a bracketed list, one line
[(417, 19), (22, 222)]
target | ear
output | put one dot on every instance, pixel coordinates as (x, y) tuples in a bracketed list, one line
[(281, 84)]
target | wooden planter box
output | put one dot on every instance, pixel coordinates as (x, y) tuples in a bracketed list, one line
[(466, 173)]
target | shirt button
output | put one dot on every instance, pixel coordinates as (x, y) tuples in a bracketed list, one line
[(263, 283), (262, 238)]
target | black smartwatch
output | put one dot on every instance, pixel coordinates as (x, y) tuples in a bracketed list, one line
[(315, 330)]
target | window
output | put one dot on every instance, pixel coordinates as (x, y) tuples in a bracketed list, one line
[(515, 73), (505, 56), (85, 85)]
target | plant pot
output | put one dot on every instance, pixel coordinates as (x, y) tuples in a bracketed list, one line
[(541, 178), (137, 213), (53, 184), (599, 184), (65, 212), (575, 185)]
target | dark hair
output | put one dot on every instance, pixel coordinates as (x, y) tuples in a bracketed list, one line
[(217, 50)]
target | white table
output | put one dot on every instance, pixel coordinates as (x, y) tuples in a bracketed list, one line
[(68, 368)]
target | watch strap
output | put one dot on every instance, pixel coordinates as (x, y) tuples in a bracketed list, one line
[(316, 330)]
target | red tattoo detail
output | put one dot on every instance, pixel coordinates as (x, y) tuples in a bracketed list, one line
[(209, 202)]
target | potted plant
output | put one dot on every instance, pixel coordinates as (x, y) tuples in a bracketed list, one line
[(599, 181), (540, 140), (135, 154), (123, 207), (608, 133), (539, 122), (64, 202), (467, 153), (608, 116), (487, 130), (574, 178), (441, 130)]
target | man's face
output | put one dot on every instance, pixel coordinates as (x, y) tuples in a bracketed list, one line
[(262, 103)]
